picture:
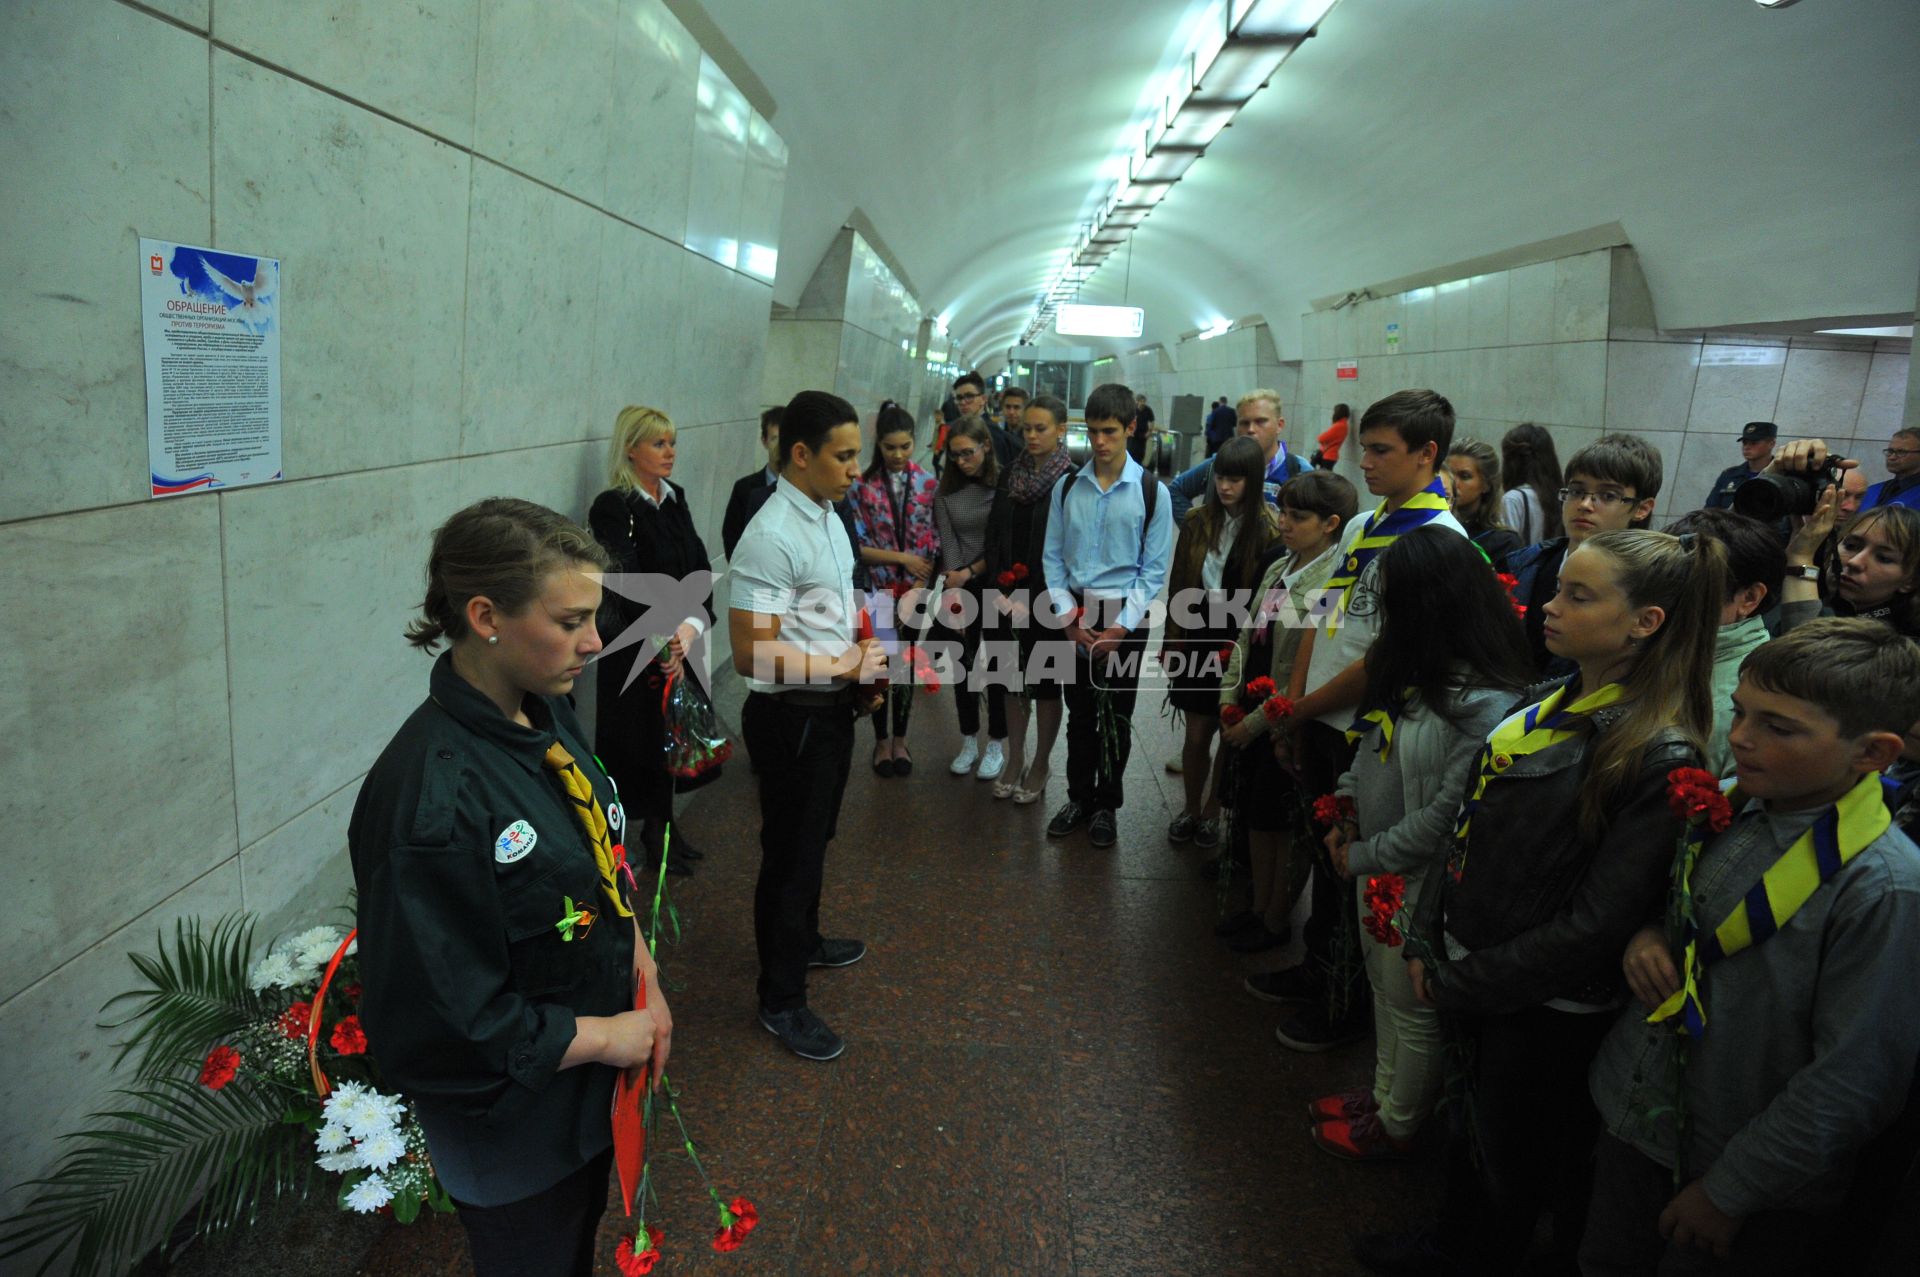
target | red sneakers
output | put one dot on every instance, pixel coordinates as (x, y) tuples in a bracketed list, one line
[(1345, 1106), (1361, 1140)]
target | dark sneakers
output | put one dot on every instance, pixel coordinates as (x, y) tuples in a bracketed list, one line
[(803, 1033), (838, 953), (1072, 817), (1101, 832), (1412, 1252), (1308, 1029), (1299, 983)]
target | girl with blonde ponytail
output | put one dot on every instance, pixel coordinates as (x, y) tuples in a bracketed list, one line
[(1561, 851)]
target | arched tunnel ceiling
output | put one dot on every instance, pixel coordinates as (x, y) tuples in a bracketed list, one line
[(1766, 164)]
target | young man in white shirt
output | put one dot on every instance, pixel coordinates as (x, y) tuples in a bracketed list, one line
[(1404, 440), (1109, 540), (793, 622)]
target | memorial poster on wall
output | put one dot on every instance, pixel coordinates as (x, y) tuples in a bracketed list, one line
[(211, 324)]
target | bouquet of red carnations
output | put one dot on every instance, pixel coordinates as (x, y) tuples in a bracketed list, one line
[(694, 741)]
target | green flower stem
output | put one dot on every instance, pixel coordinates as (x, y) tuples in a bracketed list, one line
[(686, 1142)]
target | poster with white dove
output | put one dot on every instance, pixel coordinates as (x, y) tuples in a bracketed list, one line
[(210, 319)]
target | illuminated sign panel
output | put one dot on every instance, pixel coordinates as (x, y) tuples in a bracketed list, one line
[(1100, 321)]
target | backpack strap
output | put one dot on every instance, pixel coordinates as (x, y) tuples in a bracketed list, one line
[(1149, 496)]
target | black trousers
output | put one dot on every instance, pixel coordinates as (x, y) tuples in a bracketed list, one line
[(550, 1234), (967, 700), (1333, 925), (802, 754), (1524, 1143), (1630, 1190), (1095, 765)]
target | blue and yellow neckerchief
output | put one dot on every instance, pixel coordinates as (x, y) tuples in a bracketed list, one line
[(1385, 717), (1842, 832), (1382, 531), (1527, 731)]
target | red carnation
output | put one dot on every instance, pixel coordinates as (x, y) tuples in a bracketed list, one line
[(222, 1063), (348, 1039), (1005, 580), (634, 1264), (292, 1022), (1261, 688), (1332, 809), (725, 1239), (1231, 715), (351, 992), (1693, 795), (1384, 896), (745, 1217), (1277, 708), (1019, 571)]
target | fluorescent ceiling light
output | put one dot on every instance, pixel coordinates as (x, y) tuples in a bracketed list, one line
[(1100, 321), (1903, 330)]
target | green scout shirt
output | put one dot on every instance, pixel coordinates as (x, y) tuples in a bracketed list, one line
[(465, 849)]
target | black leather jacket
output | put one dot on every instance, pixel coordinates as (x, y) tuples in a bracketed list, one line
[(1544, 904)]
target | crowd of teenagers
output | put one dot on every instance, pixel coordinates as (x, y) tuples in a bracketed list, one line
[(1604, 832)]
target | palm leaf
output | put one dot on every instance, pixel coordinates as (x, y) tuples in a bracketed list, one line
[(195, 994), (135, 1170)]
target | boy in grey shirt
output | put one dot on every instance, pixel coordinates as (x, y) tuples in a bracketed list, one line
[(1802, 1018)]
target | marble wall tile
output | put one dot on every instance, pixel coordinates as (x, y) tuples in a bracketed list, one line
[(1884, 402), (46, 1091), (1675, 493), (1568, 439), (707, 363), (308, 565), (1346, 333), (195, 13), (746, 312), (1530, 386), (1530, 304), (1487, 386), (526, 49), (1417, 321), (1452, 318), (1581, 287), (636, 337), (71, 244), (762, 195), (412, 61), (116, 699), (299, 875), (1701, 457), (1579, 382), (371, 220), (721, 121), (1487, 309), (1822, 390), (1737, 384), (1649, 384), (532, 296), (801, 353), (656, 73)]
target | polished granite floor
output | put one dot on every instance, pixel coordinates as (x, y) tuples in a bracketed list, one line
[(1051, 1066)]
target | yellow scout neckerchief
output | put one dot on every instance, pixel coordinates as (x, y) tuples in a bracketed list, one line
[(1380, 532), (587, 808)]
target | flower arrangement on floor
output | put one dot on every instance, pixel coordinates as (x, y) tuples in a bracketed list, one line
[(228, 1103)]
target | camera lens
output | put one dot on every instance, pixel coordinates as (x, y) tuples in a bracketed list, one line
[(1771, 496)]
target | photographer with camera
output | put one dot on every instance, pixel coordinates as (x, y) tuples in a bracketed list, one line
[(1873, 570)]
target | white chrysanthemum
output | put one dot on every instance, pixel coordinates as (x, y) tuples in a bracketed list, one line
[(370, 1194), (391, 1108), (382, 1149), (315, 947), (347, 1159), (332, 1138), (275, 971)]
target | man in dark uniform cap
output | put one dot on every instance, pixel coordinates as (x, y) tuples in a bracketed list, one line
[(1756, 446)]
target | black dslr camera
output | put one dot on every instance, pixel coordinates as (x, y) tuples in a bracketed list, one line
[(1772, 495)]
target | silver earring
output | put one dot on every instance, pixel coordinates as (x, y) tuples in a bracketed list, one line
[(493, 638)]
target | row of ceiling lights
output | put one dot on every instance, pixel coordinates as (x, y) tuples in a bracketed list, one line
[(1240, 45)]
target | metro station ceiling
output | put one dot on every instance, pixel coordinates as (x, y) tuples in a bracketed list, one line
[(1766, 164)]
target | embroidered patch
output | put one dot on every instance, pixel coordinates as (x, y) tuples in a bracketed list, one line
[(614, 817), (515, 841)]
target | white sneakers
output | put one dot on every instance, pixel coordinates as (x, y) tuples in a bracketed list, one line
[(992, 763)]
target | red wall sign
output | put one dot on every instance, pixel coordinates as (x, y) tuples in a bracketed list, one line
[(1347, 370)]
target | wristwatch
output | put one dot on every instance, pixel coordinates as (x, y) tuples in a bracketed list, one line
[(1805, 571)]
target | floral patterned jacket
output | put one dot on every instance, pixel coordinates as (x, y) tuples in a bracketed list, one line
[(885, 527)]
